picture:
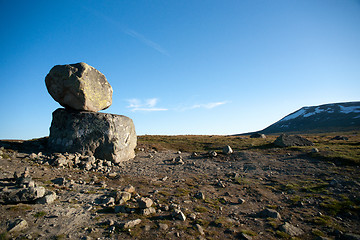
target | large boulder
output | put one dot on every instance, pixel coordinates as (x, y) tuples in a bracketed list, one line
[(105, 136), (285, 140), (79, 87)]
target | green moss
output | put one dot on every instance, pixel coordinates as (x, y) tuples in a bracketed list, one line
[(248, 232), (281, 234), (200, 209), (39, 214), (318, 233)]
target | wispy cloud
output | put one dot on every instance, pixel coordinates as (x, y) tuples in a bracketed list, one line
[(148, 105), (146, 41), (210, 105)]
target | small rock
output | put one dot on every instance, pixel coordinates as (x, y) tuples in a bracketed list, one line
[(178, 214), (200, 195), (314, 150), (227, 150), (192, 216), (244, 236), (163, 226), (270, 213), (257, 135), (122, 197), (49, 197), (129, 189), (147, 211), (291, 230), (145, 202), (340, 138), (200, 229), (212, 154), (17, 225), (241, 200), (130, 224)]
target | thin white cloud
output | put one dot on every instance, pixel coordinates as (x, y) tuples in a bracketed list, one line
[(210, 105), (146, 41), (149, 105)]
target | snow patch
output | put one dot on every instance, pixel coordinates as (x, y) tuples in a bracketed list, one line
[(353, 109), (294, 115)]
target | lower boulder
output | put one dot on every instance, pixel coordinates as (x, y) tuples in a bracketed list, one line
[(105, 136)]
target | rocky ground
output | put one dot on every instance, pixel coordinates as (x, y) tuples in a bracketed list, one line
[(268, 194)]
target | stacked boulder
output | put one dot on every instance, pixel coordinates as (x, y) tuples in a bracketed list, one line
[(79, 127)]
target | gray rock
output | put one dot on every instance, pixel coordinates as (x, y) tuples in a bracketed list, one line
[(285, 140), (212, 154), (129, 189), (147, 211), (122, 197), (200, 229), (145, 202), (270, 213), (200, 195), (130, 224), (79, 87), (257, 135), (178, 214), (49, 197), (291, 230), (227, 150), (163, 226), (106, 136), (17, 225)]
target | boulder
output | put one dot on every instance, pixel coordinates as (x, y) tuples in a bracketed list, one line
[(79, 86), (227, 150), (105, 136), (285, 140), (257, 135), (291, 230)]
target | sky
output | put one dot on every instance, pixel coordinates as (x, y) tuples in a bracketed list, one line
[(181, 67)]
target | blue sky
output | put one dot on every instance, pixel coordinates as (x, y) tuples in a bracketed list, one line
[(181, 67)]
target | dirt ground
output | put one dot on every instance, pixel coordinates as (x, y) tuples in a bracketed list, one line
[(320, 198)]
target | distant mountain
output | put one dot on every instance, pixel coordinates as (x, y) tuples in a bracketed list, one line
[(316, 119)]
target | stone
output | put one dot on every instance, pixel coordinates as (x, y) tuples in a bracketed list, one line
[(350, 236), (200, 229), (314, 150), (200, 195), (79, 86), (285, 140), (241, 201), (163, 226), (130, 224), (145, 202), (122, 197), (59, 181), (257, 135), (178, 214), (105, 136), (340, 138), (49, 197), (129, 188), (266, 213), (227, 150), (147, 211), (212, 154), (17, 225), (291, 230)]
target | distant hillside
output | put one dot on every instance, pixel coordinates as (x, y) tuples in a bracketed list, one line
[(316, 119)]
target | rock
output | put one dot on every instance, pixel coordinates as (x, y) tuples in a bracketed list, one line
[(227, 150), (106, 136), (200, 195), (241, 201), (178, 214), (257, 135), (314, 150), (200, 229), (130, 224), (285, 140), (291, 230), (163, 226), (269, 213), (17, 225), (79, 87), (212, 154), (129, 189), (147, 211), (178, 160), (145, 202), (49, 197), (244, 236), (122, 197), (350, 236), (59, 181), (340, 138)]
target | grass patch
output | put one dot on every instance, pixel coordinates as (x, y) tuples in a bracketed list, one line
[(200, 209), (248, 232), (282, 235), (39, 214), (333, 207)]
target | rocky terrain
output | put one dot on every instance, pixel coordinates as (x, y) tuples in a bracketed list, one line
[(269, 193)]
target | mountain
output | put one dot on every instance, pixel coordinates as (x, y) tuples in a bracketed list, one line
[(324, 118)]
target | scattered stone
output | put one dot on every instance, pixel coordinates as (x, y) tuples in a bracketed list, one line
[(194, 155), (163, 226), (59, 181), (129, 189), (49, 198), (285, 140), (340, 138), (291, 230), (200, 229), (79, 86), (145, 202), (219, 183), (244, 236), (212, 154), (227, 150), (129, 224), (178, 214), (147, 211), (200, 195), (17, 225), (104, 135), (269, 213), (241, 201), (257, 135), (314, 150), (192, 216), (122, 197), (178, 160)]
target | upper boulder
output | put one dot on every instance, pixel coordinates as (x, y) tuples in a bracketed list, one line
[(79, 86)]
